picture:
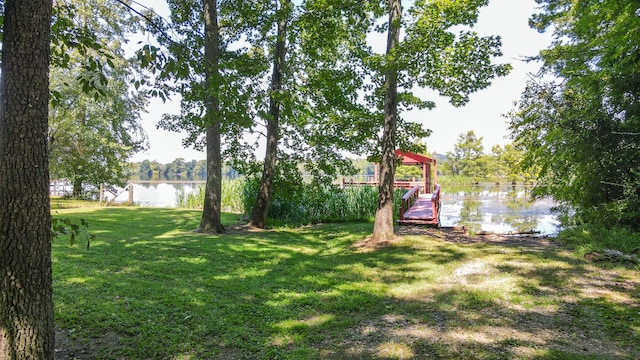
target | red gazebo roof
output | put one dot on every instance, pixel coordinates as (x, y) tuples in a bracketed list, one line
[(409, 158)]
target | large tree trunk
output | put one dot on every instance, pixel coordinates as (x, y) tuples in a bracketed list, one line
[(26, 305), (211, 212), (383, 225), (261, 207)]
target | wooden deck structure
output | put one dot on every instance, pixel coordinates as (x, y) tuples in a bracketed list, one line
[(429, 175), (427, 164), (420, 209), (421, 203)]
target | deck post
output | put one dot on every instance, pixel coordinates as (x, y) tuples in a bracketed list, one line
[(435, 169), (427, 178)]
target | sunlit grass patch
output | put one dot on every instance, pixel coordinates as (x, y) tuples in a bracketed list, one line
[(77, 280), (59, 202), (316, 320), (395, 350), (163, 291)]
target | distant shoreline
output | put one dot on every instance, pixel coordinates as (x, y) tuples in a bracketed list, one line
[(167, 181)]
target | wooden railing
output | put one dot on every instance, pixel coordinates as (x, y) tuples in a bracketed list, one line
[(408, 199), (435, 202), (398, 184)]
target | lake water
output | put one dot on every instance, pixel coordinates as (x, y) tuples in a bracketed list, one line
[(498, 209), (486, 207), (158, 194)]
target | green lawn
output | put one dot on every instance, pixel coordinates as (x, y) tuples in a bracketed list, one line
[(149, 287)]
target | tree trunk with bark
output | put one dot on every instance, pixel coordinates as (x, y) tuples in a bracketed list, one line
[(26, 304), (383, 223), (261, 207), (212, 209)]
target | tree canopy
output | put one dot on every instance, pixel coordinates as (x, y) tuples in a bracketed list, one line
[(307, 106), (93, 130), (581, 124), (468, 157), (329, 93)]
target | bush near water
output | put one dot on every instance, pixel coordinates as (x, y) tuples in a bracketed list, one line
[(300, 203)]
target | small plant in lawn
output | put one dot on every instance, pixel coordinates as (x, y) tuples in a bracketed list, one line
[(66, 226)]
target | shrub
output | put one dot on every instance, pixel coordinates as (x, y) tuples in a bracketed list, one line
[(304, 203), (295, 202)]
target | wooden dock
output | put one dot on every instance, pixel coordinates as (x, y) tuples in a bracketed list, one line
[(420, 209)]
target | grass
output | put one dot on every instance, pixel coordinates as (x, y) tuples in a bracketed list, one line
[(150, 288), (58, 202), (588, 238)]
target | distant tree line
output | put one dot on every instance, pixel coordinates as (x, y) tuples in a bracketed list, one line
[(178, 168), (468, 160)]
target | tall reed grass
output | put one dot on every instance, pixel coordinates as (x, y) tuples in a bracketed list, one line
[(309, 203), (456, 180), (231, 196), (299, 204)]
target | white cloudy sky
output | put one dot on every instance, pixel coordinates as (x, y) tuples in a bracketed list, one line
[(483, 114)]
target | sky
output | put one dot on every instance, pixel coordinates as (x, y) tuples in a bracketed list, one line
[(483, 114)]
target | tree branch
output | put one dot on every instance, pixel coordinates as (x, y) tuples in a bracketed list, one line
[(625, 133), (148, 19)]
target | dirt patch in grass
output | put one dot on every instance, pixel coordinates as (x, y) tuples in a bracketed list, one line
[(242, 228), (459, 236), (368, 244), (70, 346), (456, 235), (501, 334)]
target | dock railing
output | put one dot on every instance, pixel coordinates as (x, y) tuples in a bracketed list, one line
[(398, 184), (435, 202), (408, 199)]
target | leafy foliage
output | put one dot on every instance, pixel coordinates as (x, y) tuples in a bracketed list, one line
[(582, 130), (232, 196), (468, 158), (78, 41), (469, 163), (408, 172), (178, 64), (94, 124), (329, 99), (439, 52), (299, 203), (506, 162), (67, 226)]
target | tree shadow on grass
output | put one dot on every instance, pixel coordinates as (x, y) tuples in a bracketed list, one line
[(305, 293)]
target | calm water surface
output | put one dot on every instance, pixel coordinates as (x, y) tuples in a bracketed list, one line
[(487, 207), (498, 209), (158, 194)]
